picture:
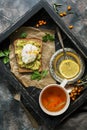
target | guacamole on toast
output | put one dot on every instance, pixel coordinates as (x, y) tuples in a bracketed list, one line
[(28, 54)]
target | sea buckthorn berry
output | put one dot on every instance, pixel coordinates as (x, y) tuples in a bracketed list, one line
[(64, 13), (71, 26), (44, 22), (37, 25), (75, 93), (61, 14), (79, 81), (69, 7), (73, 98), (40, 23)]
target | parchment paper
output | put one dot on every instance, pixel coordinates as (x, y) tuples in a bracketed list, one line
[(48, 49)]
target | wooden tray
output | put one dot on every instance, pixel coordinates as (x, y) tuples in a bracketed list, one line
[(29, 96)]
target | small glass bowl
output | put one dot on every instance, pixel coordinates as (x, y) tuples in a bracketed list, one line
[(56, 59)]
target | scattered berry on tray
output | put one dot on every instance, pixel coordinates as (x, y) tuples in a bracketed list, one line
[(75, 92), (71, 26), (69, 8), (40, 23)]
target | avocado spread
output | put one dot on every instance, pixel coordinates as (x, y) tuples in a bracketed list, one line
[(35, 65)]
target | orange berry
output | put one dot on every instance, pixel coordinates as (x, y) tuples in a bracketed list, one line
[(73, 99), (44, 22), (71, 26), (37, 25), (40, 23), (79, 81), (61, 14), (69, 7), (64, 13)]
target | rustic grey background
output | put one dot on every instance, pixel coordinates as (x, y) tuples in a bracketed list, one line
[(11, 11), (12, 114)]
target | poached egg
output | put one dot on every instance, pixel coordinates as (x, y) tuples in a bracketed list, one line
[(29, 53)]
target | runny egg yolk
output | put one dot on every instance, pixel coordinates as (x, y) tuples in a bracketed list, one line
[(29, 53)]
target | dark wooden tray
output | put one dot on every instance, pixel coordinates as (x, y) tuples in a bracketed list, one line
[(29, 96)]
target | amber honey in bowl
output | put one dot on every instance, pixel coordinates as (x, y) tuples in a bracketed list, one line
[(53, 99), (71, 67)]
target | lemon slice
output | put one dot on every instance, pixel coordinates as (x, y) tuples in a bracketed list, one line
[(68, 68)]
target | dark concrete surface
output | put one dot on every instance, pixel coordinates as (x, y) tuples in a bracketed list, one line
[(11, 11), (12, 114)]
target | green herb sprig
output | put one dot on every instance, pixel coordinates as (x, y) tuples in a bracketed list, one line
[(47, 37), (56, 7), (4, 55), (23, 35), (39, 75)]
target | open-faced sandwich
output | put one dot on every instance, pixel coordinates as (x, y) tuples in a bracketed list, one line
[(28, 54)]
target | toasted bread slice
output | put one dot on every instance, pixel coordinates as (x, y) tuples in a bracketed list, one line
[(30, 67)]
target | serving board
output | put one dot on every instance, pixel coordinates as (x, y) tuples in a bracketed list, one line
[(29, 96)]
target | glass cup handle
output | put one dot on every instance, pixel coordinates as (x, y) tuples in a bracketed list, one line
[(64, 82)]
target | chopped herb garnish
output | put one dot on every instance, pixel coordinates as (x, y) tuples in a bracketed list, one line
[(4, 55), (56, 7), (57, 4), (6, 52), (48, 37), (5, 60), (44, 73), (23, 35), (39, 75)]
